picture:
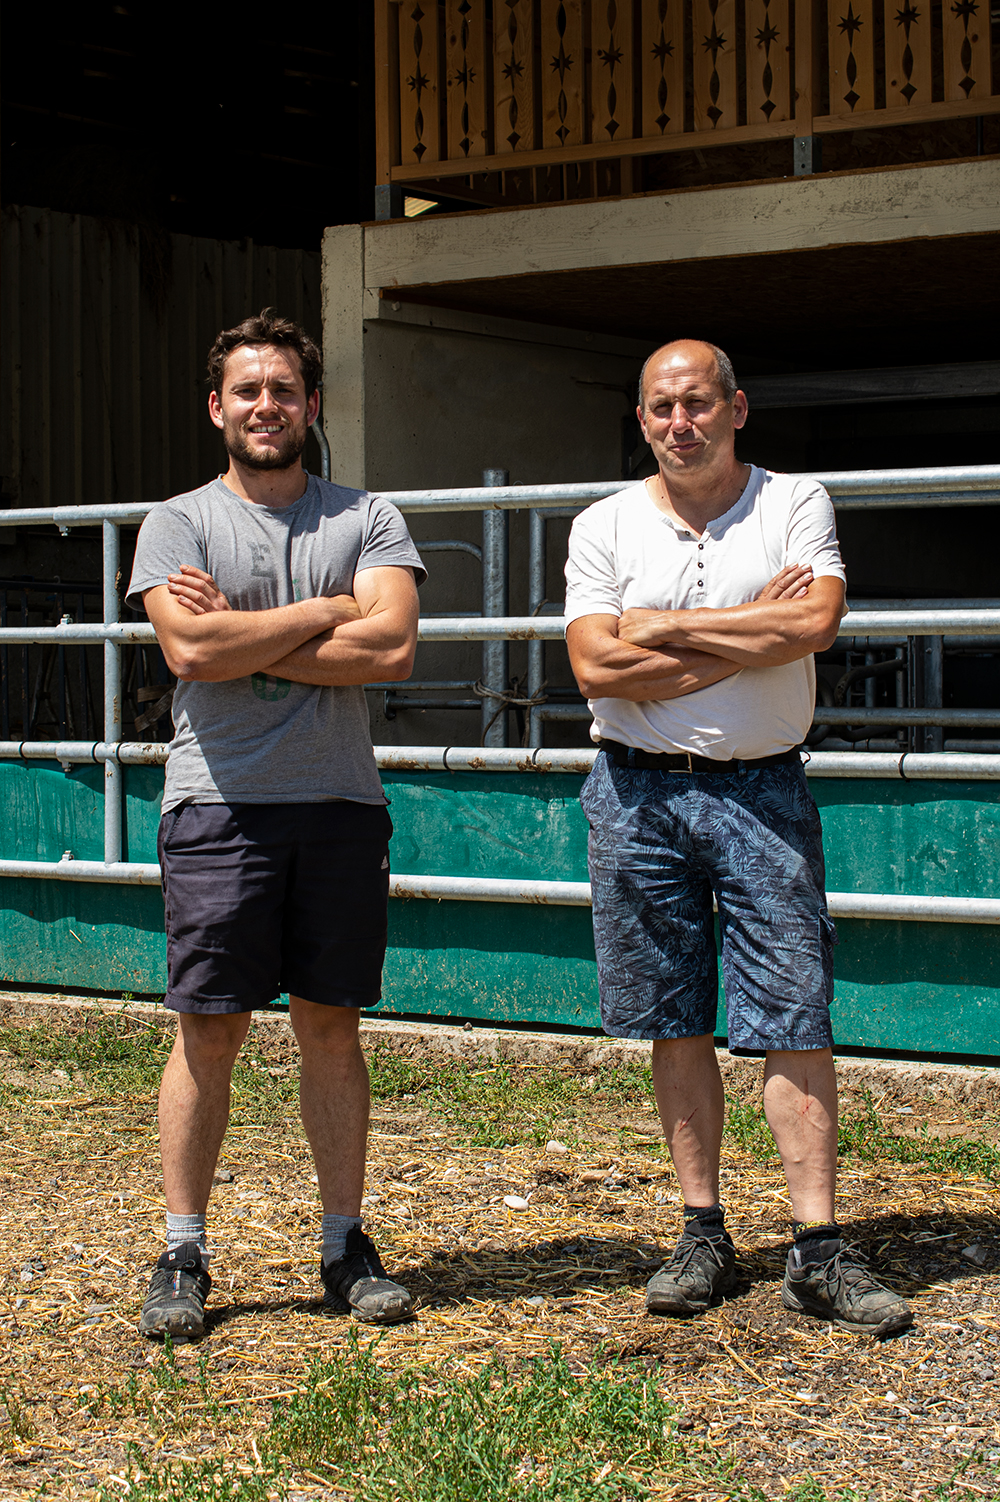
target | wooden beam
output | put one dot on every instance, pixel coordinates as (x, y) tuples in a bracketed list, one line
[(386, 89), (599, 151), (955, 109), (873, 207), (699, 139), (839, 388)]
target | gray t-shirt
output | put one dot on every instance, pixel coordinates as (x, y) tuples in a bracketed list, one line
[(263, 739)]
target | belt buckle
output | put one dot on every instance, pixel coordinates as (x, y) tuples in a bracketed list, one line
[(684, 771)]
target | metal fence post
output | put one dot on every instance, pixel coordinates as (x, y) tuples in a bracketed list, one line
[(495, 653), (536, 598), (112, 697), (933, 736), (320, 436)]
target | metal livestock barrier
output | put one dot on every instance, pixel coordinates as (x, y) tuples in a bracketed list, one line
[(851, 490)]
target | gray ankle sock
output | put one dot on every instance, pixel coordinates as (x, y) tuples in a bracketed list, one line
[(335, 1229), (181, 1228)]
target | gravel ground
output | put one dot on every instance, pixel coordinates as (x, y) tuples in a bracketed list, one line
[(785, 1399)]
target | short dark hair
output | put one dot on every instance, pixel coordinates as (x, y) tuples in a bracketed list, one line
[(266, 327), (724, 372)]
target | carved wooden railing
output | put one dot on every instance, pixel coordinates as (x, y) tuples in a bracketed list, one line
[(483, 86)]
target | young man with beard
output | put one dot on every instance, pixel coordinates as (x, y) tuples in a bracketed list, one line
[(275, 597), (694, 603)]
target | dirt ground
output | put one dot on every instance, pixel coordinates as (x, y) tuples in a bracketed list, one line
[(786, 1399)]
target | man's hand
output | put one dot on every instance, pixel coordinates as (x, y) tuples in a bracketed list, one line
[(642, 628), (214, 644), (608, 668), (790, 583), (648, 628), (789, 620), (375, 643), (196, 590), (199, 593)]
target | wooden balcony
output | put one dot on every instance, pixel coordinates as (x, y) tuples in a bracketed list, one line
[(538, 100)]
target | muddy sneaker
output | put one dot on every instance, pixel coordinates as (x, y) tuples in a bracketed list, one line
[(357, 1284), (175, 1303), (840, 1289), (700, 1269)]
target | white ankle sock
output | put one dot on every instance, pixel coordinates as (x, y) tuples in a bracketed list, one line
[(335, 1229), (181, 1228)]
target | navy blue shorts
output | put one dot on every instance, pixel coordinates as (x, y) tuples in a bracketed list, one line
[(265, 898), (661, 843)]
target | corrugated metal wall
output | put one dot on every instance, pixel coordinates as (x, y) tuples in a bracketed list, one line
[(105, 329)]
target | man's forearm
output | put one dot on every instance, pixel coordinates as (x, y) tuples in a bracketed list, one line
[(372, 650), (223, 645), (761, 633), (638, 674)]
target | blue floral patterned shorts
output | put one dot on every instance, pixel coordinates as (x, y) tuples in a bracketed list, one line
[(661, 843)]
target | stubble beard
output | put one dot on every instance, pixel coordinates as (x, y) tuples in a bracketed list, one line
[(284, 458)]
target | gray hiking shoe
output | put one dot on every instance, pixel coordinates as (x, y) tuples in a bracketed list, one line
[(357, 1284), (701, 1269), (840, 1289), (175, 1303)]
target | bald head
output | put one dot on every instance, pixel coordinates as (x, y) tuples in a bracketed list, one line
[(688, 351)]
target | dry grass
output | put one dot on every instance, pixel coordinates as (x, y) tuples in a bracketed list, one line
[(759, 1402)]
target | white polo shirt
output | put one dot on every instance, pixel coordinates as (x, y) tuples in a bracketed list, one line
[(625, 553)]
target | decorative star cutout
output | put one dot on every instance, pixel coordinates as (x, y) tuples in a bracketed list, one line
[(965, 10), (663, 50), (612, 57), (907, 16), (849, 24), (513, 70), (715, 43), (767, 34), (418, 82), (562, 64), (465, 76)]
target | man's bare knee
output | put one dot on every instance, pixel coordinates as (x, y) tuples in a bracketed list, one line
[(802, 1071), (207, 1041), (675, 1050), (334, 1030)]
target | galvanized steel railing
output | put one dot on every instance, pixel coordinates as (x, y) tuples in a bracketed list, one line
[(969, 485)]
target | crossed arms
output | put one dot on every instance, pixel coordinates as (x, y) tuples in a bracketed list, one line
[(335, 640), (665, 654), (371, 635)]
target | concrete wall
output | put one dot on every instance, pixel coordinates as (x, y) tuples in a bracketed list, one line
[(418, 397), (422, 395), (419, 393), (443, 403)]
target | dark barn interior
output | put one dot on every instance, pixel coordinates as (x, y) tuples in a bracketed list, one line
[(163, 175)]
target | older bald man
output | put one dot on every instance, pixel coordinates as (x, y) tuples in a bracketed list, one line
[(694, 603)]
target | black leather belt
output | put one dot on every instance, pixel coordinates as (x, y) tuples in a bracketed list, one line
[(686, 761)]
